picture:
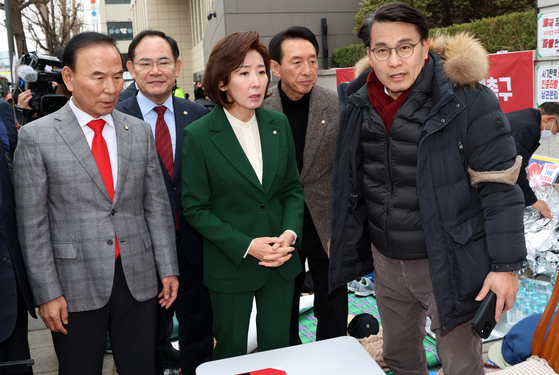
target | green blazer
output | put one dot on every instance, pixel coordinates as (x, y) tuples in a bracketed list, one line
[(224, 201)]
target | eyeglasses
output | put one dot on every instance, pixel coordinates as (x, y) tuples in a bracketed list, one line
[(163, 64), (404, 50)]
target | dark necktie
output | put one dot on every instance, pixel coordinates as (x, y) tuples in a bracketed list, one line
[(163, 140), (101, 154)]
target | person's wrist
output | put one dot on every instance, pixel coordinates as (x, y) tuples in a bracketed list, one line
[(289, 236)]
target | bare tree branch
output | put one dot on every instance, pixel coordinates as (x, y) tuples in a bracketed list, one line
[(52, 23)]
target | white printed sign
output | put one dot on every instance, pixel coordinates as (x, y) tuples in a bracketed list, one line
[(548, 34), (548, 84), (548, 174)]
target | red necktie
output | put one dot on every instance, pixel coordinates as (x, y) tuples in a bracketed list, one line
[(164, 146), (163, 140), (101, 154)]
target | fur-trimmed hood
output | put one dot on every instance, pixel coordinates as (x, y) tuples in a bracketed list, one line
[(465, 59)]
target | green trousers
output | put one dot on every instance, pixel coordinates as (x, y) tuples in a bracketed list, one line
[(231, 317)]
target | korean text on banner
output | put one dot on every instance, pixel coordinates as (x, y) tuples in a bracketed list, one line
[(511, 79), (548, 84), (548, 35)]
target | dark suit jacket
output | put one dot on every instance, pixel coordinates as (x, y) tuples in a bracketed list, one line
[(525, 129), (185, 113), (7, 116), (13, 276), (224, 200), (130, 91)]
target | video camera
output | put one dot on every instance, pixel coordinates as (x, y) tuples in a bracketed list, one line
[(35, 72)]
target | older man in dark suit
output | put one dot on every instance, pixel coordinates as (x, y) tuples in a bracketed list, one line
[(94, 221), (15, 294), (154, 64), (314, 115)]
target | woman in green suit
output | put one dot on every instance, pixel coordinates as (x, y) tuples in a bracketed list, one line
[(241, 191)]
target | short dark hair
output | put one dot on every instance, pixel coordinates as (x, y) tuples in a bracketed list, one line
[(59, 53), (393, 12), (81, 41), (550, 108), (145, 33), (294, 32), (227, 56)]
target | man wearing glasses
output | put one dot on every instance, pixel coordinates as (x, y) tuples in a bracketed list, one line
[(527, 127), (425, 169), (154, 64)]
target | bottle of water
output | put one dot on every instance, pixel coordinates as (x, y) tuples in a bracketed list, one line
[(542, 305), (537, 286), (512, 314)]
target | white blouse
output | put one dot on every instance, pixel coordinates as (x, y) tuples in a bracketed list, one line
[(249, 137)]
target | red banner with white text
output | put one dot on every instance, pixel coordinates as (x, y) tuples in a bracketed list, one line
[(511, 78)]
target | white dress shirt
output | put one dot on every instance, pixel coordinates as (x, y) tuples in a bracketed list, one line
[(109, 133), (248, 135), (150, 116)]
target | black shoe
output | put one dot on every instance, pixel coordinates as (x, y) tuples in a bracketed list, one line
[(171, 356)]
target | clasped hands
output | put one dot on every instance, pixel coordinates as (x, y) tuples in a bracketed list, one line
[(272, 251)]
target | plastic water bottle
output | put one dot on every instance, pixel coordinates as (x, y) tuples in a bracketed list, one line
[(542, 305), (512, 314), (537, 286), (523, 307)]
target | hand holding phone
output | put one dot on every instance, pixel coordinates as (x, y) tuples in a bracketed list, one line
[(484, 320)]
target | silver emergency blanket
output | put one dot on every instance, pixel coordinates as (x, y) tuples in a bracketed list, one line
[(542, 235)]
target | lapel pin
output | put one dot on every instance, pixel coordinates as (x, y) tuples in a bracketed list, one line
[(323, 122), (275, 132), (126, 127), (185, 113)]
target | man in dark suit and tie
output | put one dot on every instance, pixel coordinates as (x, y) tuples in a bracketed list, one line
[(15, 294), (154, 64), (94, 221), (314, 115)]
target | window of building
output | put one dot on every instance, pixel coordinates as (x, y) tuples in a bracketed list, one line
[(117, 1), (120, 30)]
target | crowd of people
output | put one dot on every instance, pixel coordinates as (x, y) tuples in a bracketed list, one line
[(131, 212)]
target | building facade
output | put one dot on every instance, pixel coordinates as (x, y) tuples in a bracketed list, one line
[(116, 21), (198, 24)]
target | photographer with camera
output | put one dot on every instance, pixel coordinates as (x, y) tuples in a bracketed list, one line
[(45, 91)]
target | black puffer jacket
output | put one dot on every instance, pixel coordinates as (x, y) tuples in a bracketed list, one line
[(469, 230), (390, 162)]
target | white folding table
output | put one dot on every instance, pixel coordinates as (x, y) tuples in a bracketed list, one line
[(338, 356)]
